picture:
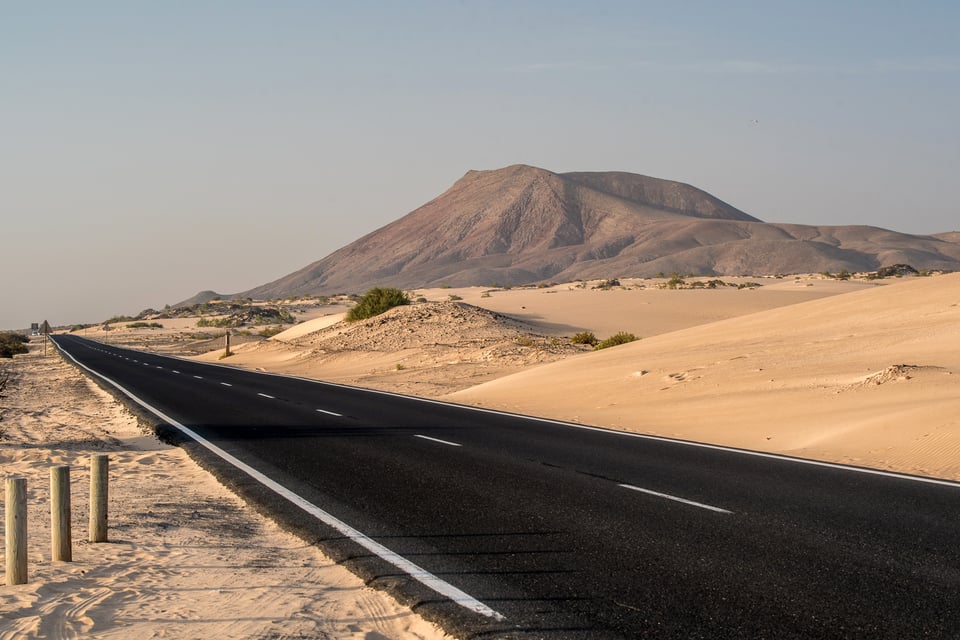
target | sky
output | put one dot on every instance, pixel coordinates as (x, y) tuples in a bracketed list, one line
[(150, 150)]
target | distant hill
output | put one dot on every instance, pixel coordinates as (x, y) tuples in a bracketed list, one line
[(522, 224), (202, 297)]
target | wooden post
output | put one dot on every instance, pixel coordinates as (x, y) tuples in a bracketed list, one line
[(227, 351), (16, 508), (61, 541), (99, 477)]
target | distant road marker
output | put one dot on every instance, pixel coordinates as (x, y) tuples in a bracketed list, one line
[(452, 444), (675, 498)]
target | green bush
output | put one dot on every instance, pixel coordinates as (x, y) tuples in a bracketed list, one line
[(676, 280), (12, 344), (621, 337), (584, 337), (376, 301)]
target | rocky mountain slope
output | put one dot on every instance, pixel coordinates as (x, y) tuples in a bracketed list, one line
[(522, 224)]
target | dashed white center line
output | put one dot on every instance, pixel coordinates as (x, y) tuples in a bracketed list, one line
[(174, 371), (226, 384), (675, 498), (452, 444), (266, 396), (198, 377), (339, 415)]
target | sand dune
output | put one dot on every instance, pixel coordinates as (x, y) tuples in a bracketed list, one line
[(868, 378)]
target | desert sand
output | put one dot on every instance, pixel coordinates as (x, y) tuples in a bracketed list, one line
[(858, 372), (451, 345), (867, 378), (186, 558)]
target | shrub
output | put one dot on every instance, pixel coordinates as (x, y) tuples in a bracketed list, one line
[(12, 344), (454, 297), (676, 280), (376, 301), (584, 337), (608, 284), (621, 337)]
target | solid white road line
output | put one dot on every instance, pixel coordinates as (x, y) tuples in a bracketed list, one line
[(452, 444), (332, 413), (419, 574), (675, 498), (266, 396)]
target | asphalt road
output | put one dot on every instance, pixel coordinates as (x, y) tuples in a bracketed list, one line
[(505, 526)]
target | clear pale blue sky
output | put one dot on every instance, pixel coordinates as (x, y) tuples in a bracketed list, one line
[(152, 149)]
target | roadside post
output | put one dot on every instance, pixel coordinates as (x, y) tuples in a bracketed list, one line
[(61, 542), (45, 329), (16, 521), (99, 466)]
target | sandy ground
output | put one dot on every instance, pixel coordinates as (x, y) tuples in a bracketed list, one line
[(870, 377), (858, 372), (450, 346), (186, 558)]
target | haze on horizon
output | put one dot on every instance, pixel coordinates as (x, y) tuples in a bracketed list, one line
[(151, 151)]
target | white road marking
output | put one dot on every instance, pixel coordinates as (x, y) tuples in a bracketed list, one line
[(198, 377), (332, 413), (419, 574), (675, 498), (174, 371), (226, 384), (452, 444), (266, 396)]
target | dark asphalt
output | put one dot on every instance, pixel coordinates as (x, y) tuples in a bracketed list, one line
[(529, 517)]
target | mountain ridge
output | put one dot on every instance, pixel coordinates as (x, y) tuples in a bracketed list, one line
[(522, 224)]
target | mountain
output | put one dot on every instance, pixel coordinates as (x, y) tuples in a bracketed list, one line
[(522, 224)]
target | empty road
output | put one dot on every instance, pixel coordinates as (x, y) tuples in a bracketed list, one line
[(506, 526)]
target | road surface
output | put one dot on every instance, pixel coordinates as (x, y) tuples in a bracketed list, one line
[(506, 526)]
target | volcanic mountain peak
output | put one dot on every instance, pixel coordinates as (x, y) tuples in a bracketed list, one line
[(636, 189), (522, 224)]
